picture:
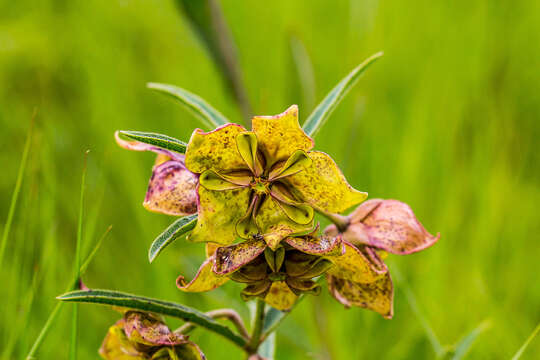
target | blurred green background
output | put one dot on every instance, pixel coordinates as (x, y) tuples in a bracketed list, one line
[(447, 121)]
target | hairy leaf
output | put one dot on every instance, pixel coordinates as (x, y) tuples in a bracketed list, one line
[(173, 232), (162, 141)]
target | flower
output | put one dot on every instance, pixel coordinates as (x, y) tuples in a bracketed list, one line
[(172, 188), (276, 276), (374, 228), (263, 183), (141, 336)]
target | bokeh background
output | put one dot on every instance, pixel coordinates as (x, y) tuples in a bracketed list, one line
[(447, 121)]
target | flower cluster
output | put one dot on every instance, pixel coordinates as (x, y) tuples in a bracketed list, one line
[(255, 194)]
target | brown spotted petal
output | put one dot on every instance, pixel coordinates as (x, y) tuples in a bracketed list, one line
[(231, 258), (145, 328), (329, 245), (377, 296), (390, 225), (116, 345), (205, 280), (280, 296), (355, 265), (172, 189)]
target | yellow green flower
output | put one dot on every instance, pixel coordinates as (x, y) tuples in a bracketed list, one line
[(263, 183), (143, 336)]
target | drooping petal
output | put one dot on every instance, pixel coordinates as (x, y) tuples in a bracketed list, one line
[(275, 224), (172, 189), (328, 245), (231, 258), (280, 296), (116, 345), (189, 351), (300, 286), (214, 150), (255, 271), (323, 185), (247, 147), (144, 328), (280, 135), (297, 162), (139, 146), (257, 289), (354, 265), (377, 296), (211, 180), (392, 226), (205, 279), (219, 211)]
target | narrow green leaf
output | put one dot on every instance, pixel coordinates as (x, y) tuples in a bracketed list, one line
[(203, 111), (163, 307), (178, 228), (527, 342), (465, 344), (17, 190), (77, 266), (162, 141), (54, 313), (318, 117)]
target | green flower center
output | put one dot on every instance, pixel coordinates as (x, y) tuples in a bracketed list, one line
[(260, 186)]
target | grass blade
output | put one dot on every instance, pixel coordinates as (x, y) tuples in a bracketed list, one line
[(54, 314), (203, 111), (527, 342), (303, 67), (163, 307), (465, 344), (162, 141), (17, 190), (173, 232), (321, 113), (209, 24), (77, 266)]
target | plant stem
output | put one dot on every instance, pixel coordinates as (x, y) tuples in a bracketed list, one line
[(341, 222), (258, 323), (228, 314)]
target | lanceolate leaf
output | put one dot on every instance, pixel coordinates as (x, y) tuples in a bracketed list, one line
[(185, 313), (205, 113), (465, 344), (321, 113), (174, 231), (162, 141)]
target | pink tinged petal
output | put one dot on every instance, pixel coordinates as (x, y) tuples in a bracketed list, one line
[(172, 190), (246, 143), (116, 345), (211, 180), (231, 258), (146, 329), (214, 150), (323, 186), (377, 296), (139, 146), (354, 265), (322, 245), (279, 136), (280, 296), (297, 162), (205, 279), (219, 211), (275, 225), (393, 227)]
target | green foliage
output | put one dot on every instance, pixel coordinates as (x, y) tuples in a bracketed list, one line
[(178, 228), (162, 141), (120, 299)]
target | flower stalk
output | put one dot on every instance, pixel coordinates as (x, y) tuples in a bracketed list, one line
[(258, 323)]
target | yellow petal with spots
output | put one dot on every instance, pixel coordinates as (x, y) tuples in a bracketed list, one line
[(214, 150), (354, 265), (280, 136), (204, 280), (323, 185), (275, 225), (219, 211), (377, 296), (116, 345), (280, 296)]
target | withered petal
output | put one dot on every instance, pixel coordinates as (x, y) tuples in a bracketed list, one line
[(231, 258)]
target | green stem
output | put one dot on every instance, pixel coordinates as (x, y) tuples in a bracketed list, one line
[(258, 323), (341, 222)]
